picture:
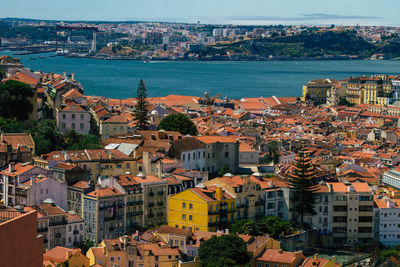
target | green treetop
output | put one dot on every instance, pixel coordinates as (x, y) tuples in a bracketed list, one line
[(303, 185), (224, 251), (140, 112), (178, 122)]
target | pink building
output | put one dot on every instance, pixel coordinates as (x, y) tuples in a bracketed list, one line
[(72, 116)]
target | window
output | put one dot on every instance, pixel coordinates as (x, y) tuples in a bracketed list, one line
[(121, 128), (63, 116), (183, 157), (183, 205), (128, 165), (82, 126), (82, 116), (73, 116), (226, 154), (190, 206), (112, 259), (190, 218), (63, 126), (183, 217), (73, 125)]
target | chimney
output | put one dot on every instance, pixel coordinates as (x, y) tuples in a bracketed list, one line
[(64, 74), (218, 193), (11, 167), (316, 256), (73, 76), (333, 259)]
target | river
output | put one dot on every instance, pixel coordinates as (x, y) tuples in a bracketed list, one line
[(119, 78)]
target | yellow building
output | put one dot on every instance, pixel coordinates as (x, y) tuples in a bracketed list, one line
[(317, 90), (65, 257), (378, 90), (355, 90), (247, 192), (204, 209), (114, 126)]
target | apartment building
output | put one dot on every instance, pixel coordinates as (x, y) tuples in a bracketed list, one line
[(387, 221), (355, 90), (191, 152), (75, 231), (392, 178), (114, 126), (75, 196), (104, 214), (12, 188), (247, 192), (220, 151), (352, 216), (72, 116), (316, 91), (96, 162), (201, 209)]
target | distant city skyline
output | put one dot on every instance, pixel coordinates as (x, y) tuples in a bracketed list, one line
[(249, 12)]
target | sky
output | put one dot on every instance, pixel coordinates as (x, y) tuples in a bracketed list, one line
[(247, 12)]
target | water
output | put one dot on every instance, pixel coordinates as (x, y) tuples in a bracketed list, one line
[(119, 78)]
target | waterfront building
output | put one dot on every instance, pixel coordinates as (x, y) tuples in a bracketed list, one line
[(317, 91), (355, 90), (201, 209)]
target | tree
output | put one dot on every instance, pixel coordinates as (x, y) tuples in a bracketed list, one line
[(15, 100), (274, 226), (272, 154), (46, 137), (302, 185), (140, 112), (75, 141), (224, 251), (86, 245), (178, 122), (224, 170)]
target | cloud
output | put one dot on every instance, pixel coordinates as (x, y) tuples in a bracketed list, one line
[(302, 17)]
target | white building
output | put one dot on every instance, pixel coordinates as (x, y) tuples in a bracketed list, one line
[(387, 221), (190, 152)]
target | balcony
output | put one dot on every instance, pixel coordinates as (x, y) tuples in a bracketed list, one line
[(75, 232), (58, 223), (151, 204), (160, 203), (151, 215), (160, 193), (151, 194), (41, 230)]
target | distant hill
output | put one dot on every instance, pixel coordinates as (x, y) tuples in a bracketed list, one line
[(302, 45)]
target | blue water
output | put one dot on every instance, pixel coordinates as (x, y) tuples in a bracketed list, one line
[(119, 79)]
